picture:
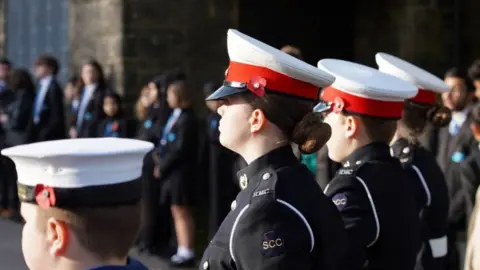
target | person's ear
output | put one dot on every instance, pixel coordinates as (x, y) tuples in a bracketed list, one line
[(57, 236), (257, 121), (351, 126)]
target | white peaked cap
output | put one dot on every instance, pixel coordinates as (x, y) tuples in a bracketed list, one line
[(365, 90), (93, 167), (404, 70), (282, 72)]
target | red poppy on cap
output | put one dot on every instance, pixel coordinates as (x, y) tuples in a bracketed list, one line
[(45, 196), (257, 85)]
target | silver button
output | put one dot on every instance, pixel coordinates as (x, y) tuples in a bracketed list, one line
[(266, 176), (205, 265), (406, 150), (233, 205), (358, 162), (243, 181)]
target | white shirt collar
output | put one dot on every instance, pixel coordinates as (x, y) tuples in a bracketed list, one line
[(460, 116), (45, 81), (90, 87)]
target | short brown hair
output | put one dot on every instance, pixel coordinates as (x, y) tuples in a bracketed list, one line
[(294, 118), (379, 130), (49, 61), (293, 51), (415, 117), (107, 232), (179, 88)]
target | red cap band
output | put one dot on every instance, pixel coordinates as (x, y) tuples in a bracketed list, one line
[(425, 96), (240, 72), (366, 106)]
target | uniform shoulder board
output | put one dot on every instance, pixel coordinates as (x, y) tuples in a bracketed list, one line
[(267, 184)]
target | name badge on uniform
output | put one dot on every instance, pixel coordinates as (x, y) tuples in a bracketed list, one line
[(272, 245), (458, 157)]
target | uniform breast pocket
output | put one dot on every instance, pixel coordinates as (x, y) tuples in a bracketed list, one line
[(216, 256)]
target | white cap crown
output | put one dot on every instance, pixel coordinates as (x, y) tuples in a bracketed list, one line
[(247, 50), (367, 82), (78, 163), (406, 71)]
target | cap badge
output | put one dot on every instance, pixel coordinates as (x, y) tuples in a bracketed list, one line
[(44, 196), (257, 85), (337, 105)]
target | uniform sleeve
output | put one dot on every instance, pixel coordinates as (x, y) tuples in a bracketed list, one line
[(354, 201), (271, 235), (437, 220)]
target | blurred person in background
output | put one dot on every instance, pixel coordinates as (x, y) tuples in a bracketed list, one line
[(92, 87), (451, 145), (157, 112), (16, 116), (15, 119), (470, 176), (474, 75), (221, 175), (114, 124), (176, 167), (5, 67), (142, 104), (157, 228), (48, 111)]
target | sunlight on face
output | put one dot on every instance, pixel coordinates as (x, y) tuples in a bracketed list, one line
[(337, 143), (234, 124), (34, 243)]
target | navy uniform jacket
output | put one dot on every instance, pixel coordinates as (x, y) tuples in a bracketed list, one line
[(280, 220), (131, 265), (432, 201), (374, 196)]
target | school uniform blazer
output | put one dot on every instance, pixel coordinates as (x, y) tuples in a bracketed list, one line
[(178, 160), (451, 152), (52, 116), (92, 117), (117, 127), (19, 113)]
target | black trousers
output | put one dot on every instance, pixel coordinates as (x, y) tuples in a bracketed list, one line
[(8, 184), (157, 220)]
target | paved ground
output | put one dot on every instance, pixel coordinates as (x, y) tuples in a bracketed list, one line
[(11, 253)]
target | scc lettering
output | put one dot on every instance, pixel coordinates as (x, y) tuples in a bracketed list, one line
[(340, 201), (272, 243)]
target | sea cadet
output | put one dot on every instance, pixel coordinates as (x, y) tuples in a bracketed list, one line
[(80, 199), (280, 219)]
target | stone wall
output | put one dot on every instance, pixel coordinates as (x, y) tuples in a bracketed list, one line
[(421, 31), (164, 34), (96, 31)]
